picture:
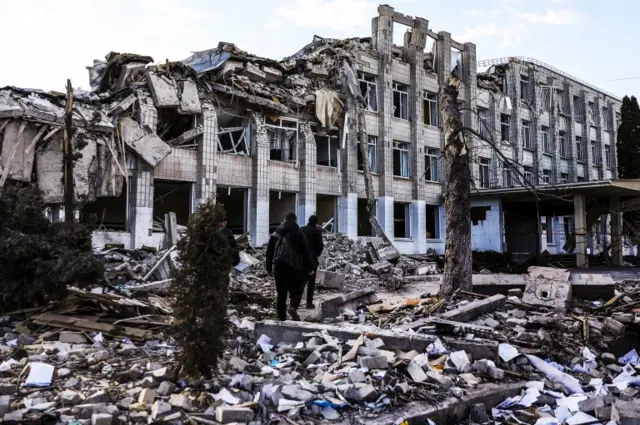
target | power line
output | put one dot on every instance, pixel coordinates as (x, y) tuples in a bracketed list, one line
[(621, 79)]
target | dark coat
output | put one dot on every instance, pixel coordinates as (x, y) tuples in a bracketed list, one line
[(298, 242), (314, 237), (233, 244)]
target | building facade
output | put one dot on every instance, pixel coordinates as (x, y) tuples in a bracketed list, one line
[(268, 137)]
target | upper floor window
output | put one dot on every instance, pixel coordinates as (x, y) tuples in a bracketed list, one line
[(400, 101), (369, 90), (431, 109)]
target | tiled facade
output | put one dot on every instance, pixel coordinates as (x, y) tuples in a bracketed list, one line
[(406, 139)]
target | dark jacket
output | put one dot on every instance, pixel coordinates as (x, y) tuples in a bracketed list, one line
[(298, 242), (314, 237), (233, 244)]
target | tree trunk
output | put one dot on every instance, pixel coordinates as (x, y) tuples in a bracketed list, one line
[(457, 203), (67, 136)]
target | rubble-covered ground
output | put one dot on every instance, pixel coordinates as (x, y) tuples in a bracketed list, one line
[(102, 357)]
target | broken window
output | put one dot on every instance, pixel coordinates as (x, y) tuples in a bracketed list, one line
[(431, 109), (400, 159), (591, 113), (484, 172), (545, 98), (433, 222), (327, 211), (595, 153), (234, 137), (172, 125), (606, 118), (578, 112), (328, 149), (507, 177), (400, 101), (369, 90), (364, 225), (107, 213), (525, 89), (504, 127), (528, 175), (280, 204), (579, 149), (234, 200), (483, 123), (526, 135), (373, 141), (456, 63), (431, 164), (171, 196), (546, 176), (564, 178), (563, 144), (607, 156), (561, 101), (401, 220), (580, 179), (546, 144), (283, 138), (549, 229)]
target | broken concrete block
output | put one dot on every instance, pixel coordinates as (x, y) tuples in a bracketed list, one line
[(593, 403), (414, 369), (625, 412), (72, 337), (163, 90), (313, 357), (158, 408), (271, 74), (187, 136), (373, 362), (356, 376), (15, 416), (147, 396), (70, 398), (613, 327), (440, 379), (226, 415), (85, 411), (495, 373), (254, 72), (476, 349), (478, 414), (181, 401), (515, 292), (380, 268), (8, 389), (5, 404), (333, 280), (101, 419), (430, 268), (548, 293), (189, 98), (294, 392), (166, 388), (151, 148)]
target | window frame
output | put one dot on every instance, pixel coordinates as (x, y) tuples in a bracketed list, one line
[(526, 131), (430, 100), (431, 167), (484, 173), (403, 93), (546, 142), (403, 150), (369, 80)]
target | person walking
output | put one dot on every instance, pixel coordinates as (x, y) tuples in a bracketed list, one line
[(290, 259), (313, 233)]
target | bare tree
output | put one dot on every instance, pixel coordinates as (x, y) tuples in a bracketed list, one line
[(457, 204)]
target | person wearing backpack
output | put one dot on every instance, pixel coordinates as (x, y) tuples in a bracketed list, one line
[(313, 233), (290, 259)]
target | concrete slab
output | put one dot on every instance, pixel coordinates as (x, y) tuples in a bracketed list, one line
[(333, 280), (464, 313), (335, 306), (151, 148), (293, 332), (49, 170), (450, 411), (163, 90), (584, 285), (548, 293), (189, 98)]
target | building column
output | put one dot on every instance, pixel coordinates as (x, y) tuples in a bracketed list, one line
[(419, 226), (141, 194), (259, 209), (570, 134), (613, 133), (348, 215), (308, 174), (581, 231), (617, 251), (205, 186), (385, 215)]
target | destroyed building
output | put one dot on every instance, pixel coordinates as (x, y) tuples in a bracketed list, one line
[(268, 137)]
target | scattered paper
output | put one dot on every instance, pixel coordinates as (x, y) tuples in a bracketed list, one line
[(40, 375), (264, 342), (580, 418), (630, 358), (437, 348)]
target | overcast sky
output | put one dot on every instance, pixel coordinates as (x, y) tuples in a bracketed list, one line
[(47, 41)]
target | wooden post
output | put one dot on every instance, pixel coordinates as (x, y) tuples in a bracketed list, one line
[(67, 149)]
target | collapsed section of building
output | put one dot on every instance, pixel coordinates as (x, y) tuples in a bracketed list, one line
[(267, 137)]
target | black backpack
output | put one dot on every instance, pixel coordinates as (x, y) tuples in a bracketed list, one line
[(284, 253)]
